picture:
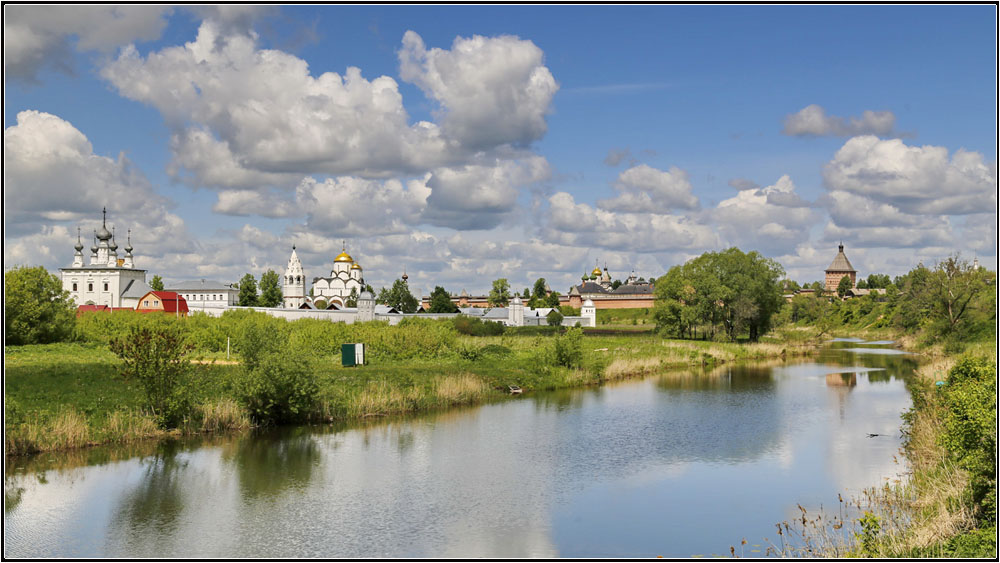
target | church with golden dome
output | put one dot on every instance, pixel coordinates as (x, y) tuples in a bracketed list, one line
[(345, 277)]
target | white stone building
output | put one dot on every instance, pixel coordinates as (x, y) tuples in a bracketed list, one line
[(294, 284), (107, 279), (206, 293), (345, 277)]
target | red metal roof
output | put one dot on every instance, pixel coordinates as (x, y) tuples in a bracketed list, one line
[(172, 302)]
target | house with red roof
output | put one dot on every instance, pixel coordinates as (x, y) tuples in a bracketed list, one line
[(165, 301)]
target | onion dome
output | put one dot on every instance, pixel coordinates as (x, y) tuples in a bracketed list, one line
[(114, 245), (94, 248), (79, 245), (103, 234), (405, 277), (128, 243), (596, 272), (343, 257), (356, 266)]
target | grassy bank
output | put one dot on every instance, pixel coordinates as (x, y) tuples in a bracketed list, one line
[(70, 395)]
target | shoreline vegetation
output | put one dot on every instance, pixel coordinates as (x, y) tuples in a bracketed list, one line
[(73, 394)]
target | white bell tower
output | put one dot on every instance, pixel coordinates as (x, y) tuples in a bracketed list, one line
[(294, 290)]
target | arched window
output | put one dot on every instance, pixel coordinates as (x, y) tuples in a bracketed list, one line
[(90, 287), (105, 286), (74, 286)]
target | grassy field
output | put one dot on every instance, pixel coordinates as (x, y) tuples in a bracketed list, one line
[(70, 395)]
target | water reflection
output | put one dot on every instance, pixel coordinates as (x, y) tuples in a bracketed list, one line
[(679, 463), (270, 463)]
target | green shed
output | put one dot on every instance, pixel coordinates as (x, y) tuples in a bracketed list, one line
[(352, 354)]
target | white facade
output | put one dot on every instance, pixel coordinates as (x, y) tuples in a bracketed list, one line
[(346, 276), (107, 279), (294, 287), (206, 293)]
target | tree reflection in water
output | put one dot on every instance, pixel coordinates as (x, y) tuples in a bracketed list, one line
[(158, 500), (270, 463)]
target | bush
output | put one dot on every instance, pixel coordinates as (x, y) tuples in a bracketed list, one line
[(568, 348), (155, 358), (970, 429), (477, 327), (496, 350), (278, 389)]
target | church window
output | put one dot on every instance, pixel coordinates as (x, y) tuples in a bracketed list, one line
[(105, 286), (74, 287), (90, 287)]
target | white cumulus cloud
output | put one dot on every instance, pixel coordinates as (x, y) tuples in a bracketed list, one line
[(492, 90), (812, 120), (643, 188)]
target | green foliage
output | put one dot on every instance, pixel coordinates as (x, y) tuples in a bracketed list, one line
[(156, 359), (270, 289), (352, 298), (36, 309), (877, 281), (567, 349), (440, 301), (539, 289), (843, 286), (256, 335), (554, 318), (970, 428), (730, 291), (552, 300), (869, 534), (156, 284), (248, 291), (399, 297), (473, 326), (500, 294), (278, 389)]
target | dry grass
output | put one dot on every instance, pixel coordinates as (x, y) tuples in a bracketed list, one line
[(381, 398), (223, 416), (125, 427), (620, 368), (460, 389)]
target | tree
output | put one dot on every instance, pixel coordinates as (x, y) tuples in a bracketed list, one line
[(951, 288), (843, 286), (248, 291), (877, 281), (552, 300), (36, 309), (554, 318), (736, 292), (352, 299), (156, 284), (500, 294), (539, 288), (156, 359), (526, 295), (399, 297), (270, 290), (862, 284), (616, 284), (440, 302)]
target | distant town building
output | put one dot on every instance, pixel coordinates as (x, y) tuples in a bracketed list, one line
[(839, 268), (206, 293), (634, 293), (164, 301), (345, 276), (294, 292), (106, 279)]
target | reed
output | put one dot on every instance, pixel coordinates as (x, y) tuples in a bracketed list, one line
[(460, 389), (224, 415), (124, 427)]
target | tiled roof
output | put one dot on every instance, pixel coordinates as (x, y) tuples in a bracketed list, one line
[(591, 287), (634, 289), (135, 289)]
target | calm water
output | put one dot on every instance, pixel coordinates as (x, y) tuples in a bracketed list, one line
[(681, 464)]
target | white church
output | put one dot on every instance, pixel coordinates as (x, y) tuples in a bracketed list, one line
[(106, 279), (345, 278)]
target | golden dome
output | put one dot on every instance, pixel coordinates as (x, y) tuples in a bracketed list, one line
[(355, 266), (596, 272), (343, 257)]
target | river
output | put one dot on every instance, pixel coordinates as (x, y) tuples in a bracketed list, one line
[(678, 464)]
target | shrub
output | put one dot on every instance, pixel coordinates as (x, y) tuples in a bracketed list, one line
[(495, 350), (155, 358), (36, 309), (970, 428), (278, 389), (477, 327), (568, 348)]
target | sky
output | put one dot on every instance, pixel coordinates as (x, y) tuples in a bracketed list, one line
[(462, 144)]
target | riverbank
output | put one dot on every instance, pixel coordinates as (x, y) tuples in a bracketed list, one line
[(69, 395)]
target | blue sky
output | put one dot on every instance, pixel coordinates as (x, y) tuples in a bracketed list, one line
[(480, 142)]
